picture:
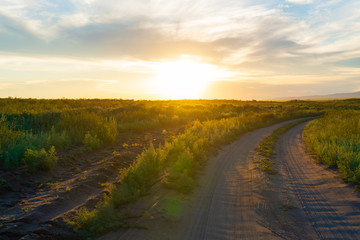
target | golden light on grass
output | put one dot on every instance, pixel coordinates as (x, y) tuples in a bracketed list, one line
[(184, 78)]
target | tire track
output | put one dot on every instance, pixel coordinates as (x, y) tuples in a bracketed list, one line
[(331, 206), (228, 201)]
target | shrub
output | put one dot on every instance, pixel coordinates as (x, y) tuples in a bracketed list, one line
[(79, 123), (9, 137), (108, 132), (40, 160), (105, 218), (14, 154), (180, 175), (91, 142), (61, 140)]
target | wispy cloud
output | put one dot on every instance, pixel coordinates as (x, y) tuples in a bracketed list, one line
[(300, 1), (291, 39)]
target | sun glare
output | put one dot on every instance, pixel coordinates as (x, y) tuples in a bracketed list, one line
[(185, 78)]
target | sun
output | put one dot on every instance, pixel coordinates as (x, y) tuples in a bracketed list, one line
[(185, 78)]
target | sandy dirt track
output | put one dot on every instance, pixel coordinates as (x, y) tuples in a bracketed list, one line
[(235, 200), (331, 207)]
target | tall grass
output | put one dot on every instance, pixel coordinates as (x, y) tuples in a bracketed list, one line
[(335, 140)]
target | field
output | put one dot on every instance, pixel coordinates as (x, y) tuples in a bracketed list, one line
[(73, 169)]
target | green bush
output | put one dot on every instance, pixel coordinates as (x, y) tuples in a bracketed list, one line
[(106, 218), (180, 175), (91, 142), (14, 154), (40, 160), (61, 140), (138, 177), (108, 132)]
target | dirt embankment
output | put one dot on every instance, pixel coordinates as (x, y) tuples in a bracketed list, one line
[(34, 205), (235, 200)]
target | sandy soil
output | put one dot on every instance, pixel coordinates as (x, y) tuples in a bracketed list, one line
[(34, 205), (235, 200)]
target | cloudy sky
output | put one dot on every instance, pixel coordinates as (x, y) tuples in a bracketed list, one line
[(159, 49)]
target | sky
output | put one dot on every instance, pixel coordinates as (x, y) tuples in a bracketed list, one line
[(174, 49)]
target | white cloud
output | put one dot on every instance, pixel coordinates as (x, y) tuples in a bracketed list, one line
[(257, 40), (300, 1)]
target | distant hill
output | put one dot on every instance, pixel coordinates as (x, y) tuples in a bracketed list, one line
[(325, 97)]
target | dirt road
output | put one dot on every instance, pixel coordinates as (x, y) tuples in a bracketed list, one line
[(331, 207), (235, 200)]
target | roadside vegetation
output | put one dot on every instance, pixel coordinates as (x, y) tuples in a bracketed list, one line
[(335, 141), (35, 133), (175, 164), (266, 147)]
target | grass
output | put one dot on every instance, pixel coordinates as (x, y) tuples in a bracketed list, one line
[(266, 165), (91, 142), (266, 147), (335, 141)]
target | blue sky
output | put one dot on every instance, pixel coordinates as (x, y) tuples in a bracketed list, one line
[(102, 48)]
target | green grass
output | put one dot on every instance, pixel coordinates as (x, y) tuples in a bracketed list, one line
[(266, 165), (266, 147), (40, 160), (335, 141)]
